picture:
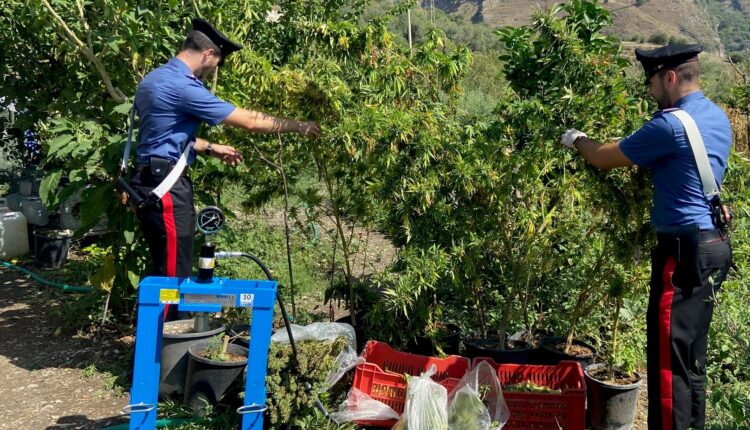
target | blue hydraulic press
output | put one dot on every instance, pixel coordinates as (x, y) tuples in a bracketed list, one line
[(204, 294)]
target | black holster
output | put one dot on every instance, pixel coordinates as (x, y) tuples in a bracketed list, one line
[(682, 245), (135, 199)]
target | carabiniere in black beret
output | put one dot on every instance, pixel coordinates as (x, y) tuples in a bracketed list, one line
[(656, 60), (225, 45)]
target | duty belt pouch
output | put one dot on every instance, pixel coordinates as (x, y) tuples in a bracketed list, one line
[(159, 168), (688, 271)]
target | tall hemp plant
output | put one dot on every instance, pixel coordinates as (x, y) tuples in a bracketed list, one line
[(362, 88), (563, 220)]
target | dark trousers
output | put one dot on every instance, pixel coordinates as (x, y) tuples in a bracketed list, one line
[(169, 228), (686, 271)]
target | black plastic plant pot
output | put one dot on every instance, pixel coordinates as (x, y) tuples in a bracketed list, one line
[(548, 354), (174, 355), (533, 337), (449, 342), (610, 406), (516, 351), (240, 335), (358, 331), (51, 247), (208, 380)]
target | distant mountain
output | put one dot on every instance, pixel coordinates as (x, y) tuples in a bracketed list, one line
[(717, 24)]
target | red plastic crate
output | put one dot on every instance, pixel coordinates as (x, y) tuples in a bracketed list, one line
[(382, 376), (543, 411)]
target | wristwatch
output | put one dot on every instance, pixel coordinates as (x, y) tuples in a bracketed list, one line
[(208, 148)]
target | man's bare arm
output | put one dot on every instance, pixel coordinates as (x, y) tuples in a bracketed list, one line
[(259, 122), (604, 157)]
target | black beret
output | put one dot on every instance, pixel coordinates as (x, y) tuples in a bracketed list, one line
[(225, 45), (656, 60)]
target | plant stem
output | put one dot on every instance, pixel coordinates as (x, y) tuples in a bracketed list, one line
[(481, 309), (287, 234), (331, 277), (526, 319), (344, 244), (364, 259), (614, 339), (106, 308), (225, 345), (504, 324), (581, 302)]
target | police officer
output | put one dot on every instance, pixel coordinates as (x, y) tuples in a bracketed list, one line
[(692, 255), (171, 102)]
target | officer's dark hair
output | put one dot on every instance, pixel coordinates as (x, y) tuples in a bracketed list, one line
[(199, 42), (687, 73)]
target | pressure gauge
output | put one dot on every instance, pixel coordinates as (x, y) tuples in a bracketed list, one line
[(210, 220)]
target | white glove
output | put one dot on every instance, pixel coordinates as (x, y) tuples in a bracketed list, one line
[(569, 137)]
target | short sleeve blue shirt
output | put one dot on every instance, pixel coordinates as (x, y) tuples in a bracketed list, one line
[(171, 104), (661, 145)]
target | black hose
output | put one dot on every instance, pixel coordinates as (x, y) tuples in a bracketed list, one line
[(318, 404), (280, 300), (288, 325)]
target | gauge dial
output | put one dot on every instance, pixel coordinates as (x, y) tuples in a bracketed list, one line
[(210, 220)]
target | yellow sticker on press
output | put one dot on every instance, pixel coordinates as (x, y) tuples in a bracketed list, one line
[(169, 296), (206, 263)]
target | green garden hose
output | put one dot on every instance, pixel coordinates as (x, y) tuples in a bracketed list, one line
[(313, 225), (65, 287)]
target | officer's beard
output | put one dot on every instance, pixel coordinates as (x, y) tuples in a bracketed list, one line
[(664, 102), (205, 74)]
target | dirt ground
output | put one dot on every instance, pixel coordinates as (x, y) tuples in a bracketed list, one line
[(42, 382)]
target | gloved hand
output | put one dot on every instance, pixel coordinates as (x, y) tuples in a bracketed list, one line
[(308, 128), (569, 137)]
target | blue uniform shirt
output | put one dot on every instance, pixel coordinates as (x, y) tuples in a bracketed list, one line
[(662, 146), (171, 104)]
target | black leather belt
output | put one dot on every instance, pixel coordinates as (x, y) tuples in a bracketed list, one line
[(142, 168), (703, 235), (709, 235)]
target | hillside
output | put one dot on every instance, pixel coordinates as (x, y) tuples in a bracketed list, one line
[(713, 23), (733, 19)]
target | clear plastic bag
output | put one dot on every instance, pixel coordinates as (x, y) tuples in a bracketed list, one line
[(467, 412), (346, 361), (359, 406), (426, 403), (320, 331), (477, 402)]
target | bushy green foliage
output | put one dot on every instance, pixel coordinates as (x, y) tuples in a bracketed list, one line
[(483, 86), (738, 95), (729, 348), (717, 77), (658, 38)]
